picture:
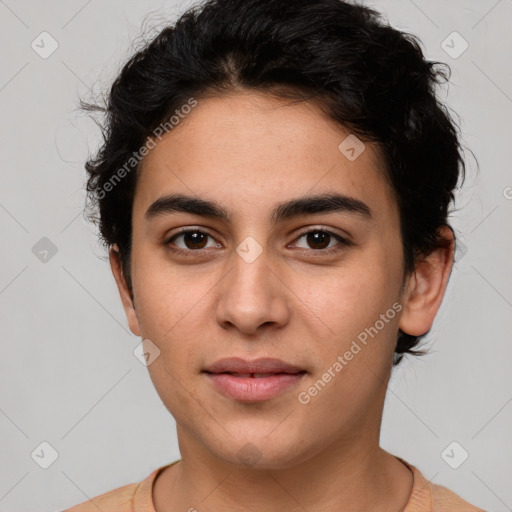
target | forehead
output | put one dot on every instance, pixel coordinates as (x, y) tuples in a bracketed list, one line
[(252, 149)]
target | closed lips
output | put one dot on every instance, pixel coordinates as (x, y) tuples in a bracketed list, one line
[(262, 367), (257, 375), (253, 381)]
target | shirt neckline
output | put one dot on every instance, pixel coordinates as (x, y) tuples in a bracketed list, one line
[(143, 497), (420, 493)]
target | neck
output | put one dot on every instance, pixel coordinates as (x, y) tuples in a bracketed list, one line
[(357, 474)]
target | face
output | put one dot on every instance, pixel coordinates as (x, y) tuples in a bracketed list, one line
[(315, 284)]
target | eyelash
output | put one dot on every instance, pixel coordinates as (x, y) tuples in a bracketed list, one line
[(343, 242)]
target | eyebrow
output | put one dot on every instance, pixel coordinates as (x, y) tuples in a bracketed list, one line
[(307, 205)]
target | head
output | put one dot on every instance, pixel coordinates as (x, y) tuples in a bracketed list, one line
[(303, 146)]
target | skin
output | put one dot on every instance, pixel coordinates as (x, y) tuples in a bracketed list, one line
[(250, 152)]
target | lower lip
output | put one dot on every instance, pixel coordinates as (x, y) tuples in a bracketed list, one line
[(253, 389)]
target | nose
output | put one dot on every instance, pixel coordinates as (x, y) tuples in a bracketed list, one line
[(252, 297)]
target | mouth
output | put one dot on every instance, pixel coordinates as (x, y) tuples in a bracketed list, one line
[(256, 375), (253, 381)]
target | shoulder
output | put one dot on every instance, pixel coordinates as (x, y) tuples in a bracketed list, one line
[(120, 500), (429, 497), (445, 499), (128, 498)]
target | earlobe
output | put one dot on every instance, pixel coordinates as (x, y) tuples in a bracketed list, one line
[(124, 292), (426, 287)]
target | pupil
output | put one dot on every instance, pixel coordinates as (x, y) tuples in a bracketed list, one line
[(195, 240), (318, 237)]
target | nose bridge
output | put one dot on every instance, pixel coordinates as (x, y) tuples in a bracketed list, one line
[(251, 275), (251, 295)]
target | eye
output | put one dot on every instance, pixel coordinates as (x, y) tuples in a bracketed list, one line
[(191, 240), (322, 240)]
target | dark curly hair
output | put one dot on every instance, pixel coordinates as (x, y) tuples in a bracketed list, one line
[(364, 74)]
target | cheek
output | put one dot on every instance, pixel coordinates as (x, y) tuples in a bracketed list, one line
[(171, 308), (362, 311), (353, 297), (360, 305), (168, 297)]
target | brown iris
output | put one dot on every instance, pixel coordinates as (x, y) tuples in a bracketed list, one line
[(195, 239), (318, 239)]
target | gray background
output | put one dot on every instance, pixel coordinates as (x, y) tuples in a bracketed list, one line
[(67, 372)]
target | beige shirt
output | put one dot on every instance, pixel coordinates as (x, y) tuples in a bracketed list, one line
[(137, 497)]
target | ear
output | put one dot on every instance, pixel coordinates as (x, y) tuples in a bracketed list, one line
[(426, 287), (124, 292)]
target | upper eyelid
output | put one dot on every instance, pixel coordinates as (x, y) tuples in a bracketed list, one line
[(325, 229), (189, 229)]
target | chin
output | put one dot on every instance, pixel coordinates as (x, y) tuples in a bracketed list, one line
[(260, 452)]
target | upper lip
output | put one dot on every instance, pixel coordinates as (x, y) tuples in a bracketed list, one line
[(261, 365)]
